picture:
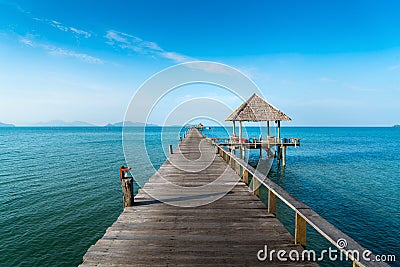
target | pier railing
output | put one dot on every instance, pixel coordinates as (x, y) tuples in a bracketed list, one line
[(303, 214)]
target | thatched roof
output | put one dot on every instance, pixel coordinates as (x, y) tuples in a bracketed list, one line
[(257, 109)]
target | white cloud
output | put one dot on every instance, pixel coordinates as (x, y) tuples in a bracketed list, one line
[(327, 79), (80, 32), (138, 45), (359, 88), (58, 25), (214, 67), (174, 56), (53, 50), (26, 41), (69, 53), (395, 67), (64, 28), (114, 36)]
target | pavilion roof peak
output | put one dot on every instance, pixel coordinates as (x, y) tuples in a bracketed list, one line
[(257, 109)]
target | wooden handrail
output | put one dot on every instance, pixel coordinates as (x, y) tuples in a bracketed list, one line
[(304, 214)]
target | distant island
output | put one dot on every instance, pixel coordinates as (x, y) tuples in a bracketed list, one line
[(60, 123), (396, 125), (6, 125), (129, 124)]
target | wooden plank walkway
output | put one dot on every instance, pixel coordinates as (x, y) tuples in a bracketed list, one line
[(226, 232)]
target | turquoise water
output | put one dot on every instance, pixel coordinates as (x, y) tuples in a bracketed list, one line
[(59, 187)]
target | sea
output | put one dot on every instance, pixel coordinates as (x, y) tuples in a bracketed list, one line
[(60, 188)]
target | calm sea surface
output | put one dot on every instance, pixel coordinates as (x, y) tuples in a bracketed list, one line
[(60, 190)]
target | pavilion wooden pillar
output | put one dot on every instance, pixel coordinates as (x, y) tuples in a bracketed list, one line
[(240, 131), (279, 131), (234, 129), (268, 129)]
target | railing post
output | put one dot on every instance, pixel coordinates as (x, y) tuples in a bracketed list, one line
[(271, 202), (170, 150), (237, 168), (300, 230), (256, 186), (245, 177)]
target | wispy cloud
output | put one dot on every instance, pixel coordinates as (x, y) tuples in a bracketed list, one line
[(138, 45), (69, 53), (53, 50), (64, 28), (359, 88), (395, 67), (327, 79), (351, 86), (80, 32)]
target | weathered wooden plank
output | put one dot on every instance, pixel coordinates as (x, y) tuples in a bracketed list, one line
[(226, 232)]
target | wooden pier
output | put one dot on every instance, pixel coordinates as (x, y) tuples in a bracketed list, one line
[(226, 232), (230, 231)]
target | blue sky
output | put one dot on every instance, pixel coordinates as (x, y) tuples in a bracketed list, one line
[(321, 62)]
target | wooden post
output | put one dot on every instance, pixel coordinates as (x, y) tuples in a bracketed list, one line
[(234, 129), (245, 177), (180, 138), (271, 202), (240, 131), (256, 186), (267, 129), (127, 190), (170, 150), (237, 167), (300, 230), (279, 131), (278, 148), (283, 156)]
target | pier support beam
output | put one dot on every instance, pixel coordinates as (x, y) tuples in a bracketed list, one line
[(283, 156), (279, 131), (279, 155)]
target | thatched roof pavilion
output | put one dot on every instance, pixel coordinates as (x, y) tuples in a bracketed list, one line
[(256, 109)]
